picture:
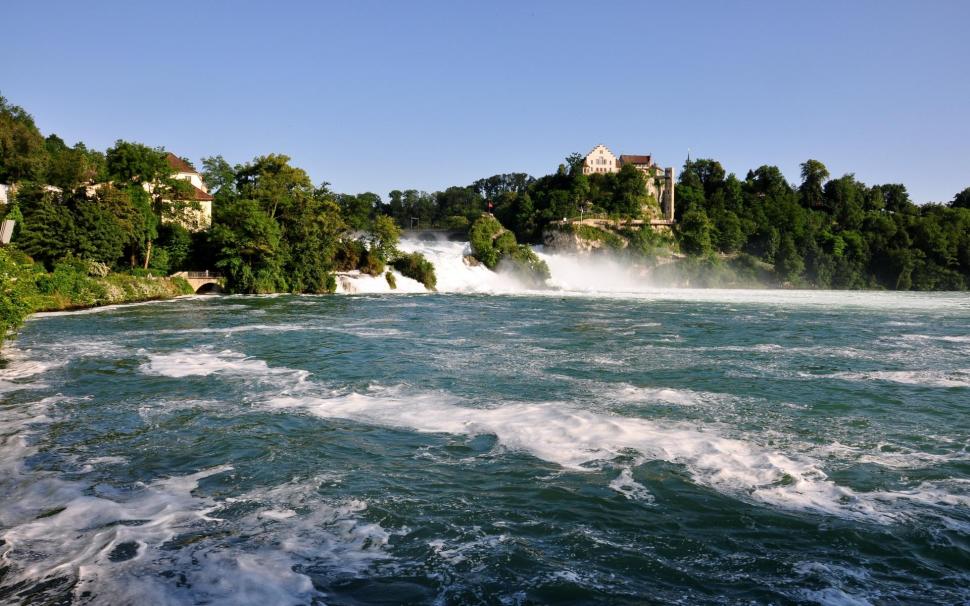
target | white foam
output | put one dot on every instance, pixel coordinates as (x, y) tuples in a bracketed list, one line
[(55, 528), (630, 488), (202, 362), (891, 456), (358, 283), (925, 378), (454, 275), (579, 439), (603, 276), (630, 393)]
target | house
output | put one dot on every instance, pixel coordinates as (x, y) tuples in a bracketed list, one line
[(660, 181), (193, 219)]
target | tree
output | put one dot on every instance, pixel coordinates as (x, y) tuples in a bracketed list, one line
[(101, 235), (22, 152), (629, 192), (814, 175), (694, 232), (383, 238), (962, 199), (788, 262), (249, 244), (17, 291), (136, 163), (730, 237), (48, 231), (219, 175)]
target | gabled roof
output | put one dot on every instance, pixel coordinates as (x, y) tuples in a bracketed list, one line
[(597, 147), (199, 195), (629, 159), (178, 164)]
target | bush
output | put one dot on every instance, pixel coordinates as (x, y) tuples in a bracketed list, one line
[(18, 292), (493, 245), (348, 254), (526, 265), (371, 263), (69, 285), (415, 266), (482, 237), (611, 240)]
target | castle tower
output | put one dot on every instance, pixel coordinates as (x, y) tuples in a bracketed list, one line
[(668, 201)]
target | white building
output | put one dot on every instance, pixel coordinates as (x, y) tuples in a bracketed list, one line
[(600, 160), (194, 219)]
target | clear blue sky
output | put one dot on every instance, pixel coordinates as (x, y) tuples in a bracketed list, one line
[(375, 96)]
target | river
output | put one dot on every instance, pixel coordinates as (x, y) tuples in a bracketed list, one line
[(487, 445)]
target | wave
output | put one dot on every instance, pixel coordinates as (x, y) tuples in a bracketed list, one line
[(91, 542), (202, 363), (582, 440), (923, 378)]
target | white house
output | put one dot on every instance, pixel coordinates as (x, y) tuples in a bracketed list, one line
[(600, 160), (193, 219)]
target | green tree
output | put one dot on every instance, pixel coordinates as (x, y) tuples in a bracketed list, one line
[(962, 199), (101, 235), (18, 291), (249, 244), (136, 163), (384, 237), (789, 264), (694, 233), (22, 153), (814, 175), (48, 231)]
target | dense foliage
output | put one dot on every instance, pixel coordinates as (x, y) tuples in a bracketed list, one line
[(827, 233), (18, 292)]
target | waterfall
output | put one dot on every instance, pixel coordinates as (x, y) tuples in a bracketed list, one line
[(571, 272)]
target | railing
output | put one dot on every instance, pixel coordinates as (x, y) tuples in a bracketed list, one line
[(197, 275)]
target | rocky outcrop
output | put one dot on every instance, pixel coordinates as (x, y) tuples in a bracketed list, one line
[(566, 242)]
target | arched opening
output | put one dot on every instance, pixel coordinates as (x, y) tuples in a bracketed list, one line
[(209, 288)]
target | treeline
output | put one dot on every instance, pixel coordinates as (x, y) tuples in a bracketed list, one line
[(825, 233), (274, 230)]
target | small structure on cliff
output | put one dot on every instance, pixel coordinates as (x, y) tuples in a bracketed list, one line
[(660, 181)]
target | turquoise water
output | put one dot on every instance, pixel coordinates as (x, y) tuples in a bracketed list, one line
[(676, 447)]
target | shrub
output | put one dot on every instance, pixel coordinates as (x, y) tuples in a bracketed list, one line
[(69, 285), (371, 263), (414, 265), (18, 292), (482, 236), (493, 245), (611, 240), (526, 265), (348, 254)]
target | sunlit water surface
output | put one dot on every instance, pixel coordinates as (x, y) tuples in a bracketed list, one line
[(676, 446)]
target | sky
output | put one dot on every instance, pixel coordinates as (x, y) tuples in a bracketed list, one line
[(376, 96)]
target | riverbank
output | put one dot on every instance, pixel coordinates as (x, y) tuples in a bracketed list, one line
[(27, 288)]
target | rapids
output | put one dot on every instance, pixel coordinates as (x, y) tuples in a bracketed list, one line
[(596, 442)]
